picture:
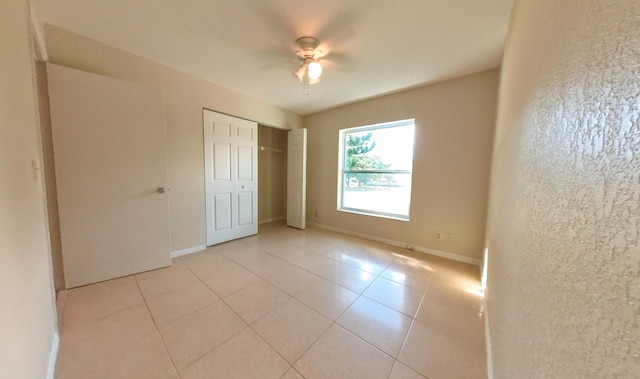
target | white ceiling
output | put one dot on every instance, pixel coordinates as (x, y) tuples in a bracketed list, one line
[(373, 47)]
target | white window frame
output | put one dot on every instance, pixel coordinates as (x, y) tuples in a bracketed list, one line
[(341, 170)]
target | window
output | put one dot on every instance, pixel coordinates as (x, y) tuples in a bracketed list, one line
[(375, 169)]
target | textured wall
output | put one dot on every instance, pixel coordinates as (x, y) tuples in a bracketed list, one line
[(564, 214)]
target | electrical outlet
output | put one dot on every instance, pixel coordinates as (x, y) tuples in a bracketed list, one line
[(439, 236)]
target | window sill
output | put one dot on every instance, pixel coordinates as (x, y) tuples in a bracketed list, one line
[(374, 214)]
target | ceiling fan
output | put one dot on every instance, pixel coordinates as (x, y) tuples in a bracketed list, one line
[(309, 69)]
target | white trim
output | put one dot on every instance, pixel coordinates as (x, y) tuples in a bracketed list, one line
[(271, 220), (487, 336), (438, 253), (38, 36), (53, 356), (195, 249)]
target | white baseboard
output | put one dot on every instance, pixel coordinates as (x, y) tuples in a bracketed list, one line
[(438, 253), (271, 220), (195, 249), (487, 337), (53, 356)]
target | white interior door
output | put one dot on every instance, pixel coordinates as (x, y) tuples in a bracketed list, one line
[(297, 178), (109, 143), (231, 180)]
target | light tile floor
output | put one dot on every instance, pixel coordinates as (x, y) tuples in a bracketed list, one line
[(285, 303)]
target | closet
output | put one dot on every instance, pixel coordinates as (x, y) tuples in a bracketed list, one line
[(272, 174), (230, 162)]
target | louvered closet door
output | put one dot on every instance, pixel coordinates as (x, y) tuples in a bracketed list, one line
[(230, 148)]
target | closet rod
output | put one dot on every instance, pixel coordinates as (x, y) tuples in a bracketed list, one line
[(273, 149)]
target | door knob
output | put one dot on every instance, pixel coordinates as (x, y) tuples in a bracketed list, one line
[(162, 189)]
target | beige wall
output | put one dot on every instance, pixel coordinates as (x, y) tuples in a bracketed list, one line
[(185, 97), (564, 220), (454, 133), (272, 175), (27, 317)]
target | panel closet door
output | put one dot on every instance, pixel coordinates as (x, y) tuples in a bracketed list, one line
[(297, 178), (231, 177)]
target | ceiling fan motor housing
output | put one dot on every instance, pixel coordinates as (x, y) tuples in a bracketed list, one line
[(308, 46)]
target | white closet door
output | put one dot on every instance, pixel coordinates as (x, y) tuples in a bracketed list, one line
[(246, 178), (297, 178), (230, 148)]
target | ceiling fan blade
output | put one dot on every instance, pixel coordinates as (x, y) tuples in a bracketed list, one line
[(279, 29), (338, 58), (277, 58), (339, 61), (341, 27), (277, 65), (338, 31)]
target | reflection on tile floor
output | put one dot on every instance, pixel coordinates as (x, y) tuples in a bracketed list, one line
[(285, 303)]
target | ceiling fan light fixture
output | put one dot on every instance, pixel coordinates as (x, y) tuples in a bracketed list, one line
[(299, 73), (310, 69), (314, 70)]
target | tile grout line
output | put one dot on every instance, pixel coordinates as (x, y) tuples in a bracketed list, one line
[(360, 295), (224, 341), (164, 344), (187, 315), (334, 322), (413, 320), (267, 342)]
